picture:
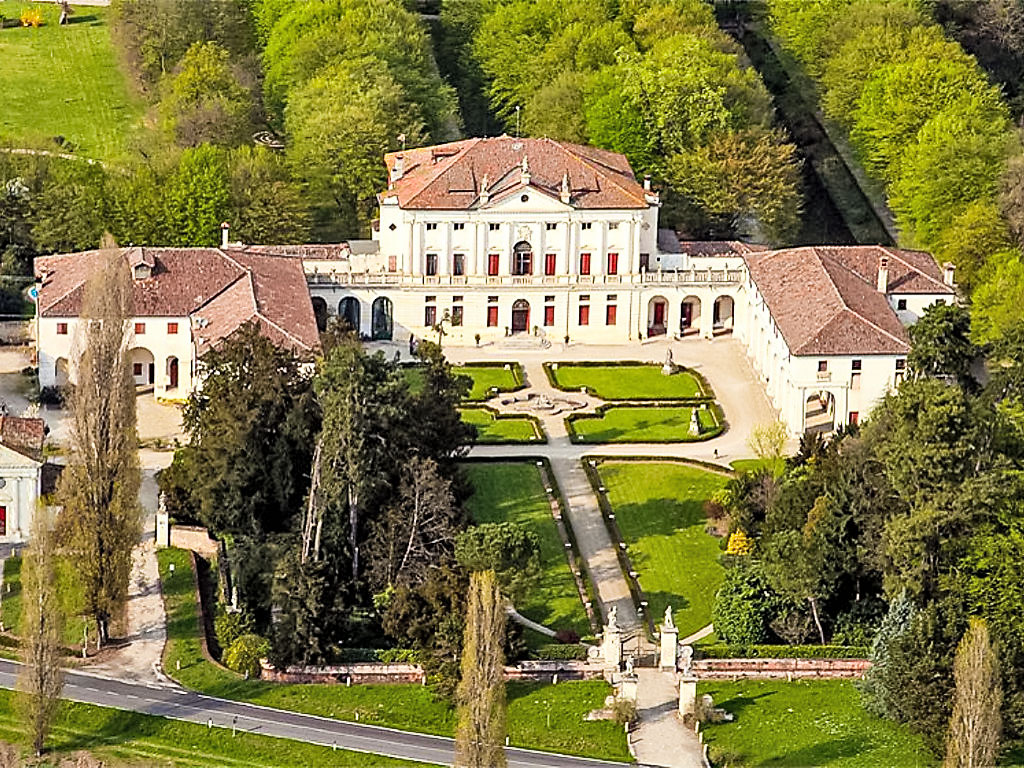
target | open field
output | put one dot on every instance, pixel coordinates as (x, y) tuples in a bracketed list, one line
[(659, 510), (819, 723), (513, 492), (64, 81), (407, 707), (506, 429), (627, 382), (641, 424)]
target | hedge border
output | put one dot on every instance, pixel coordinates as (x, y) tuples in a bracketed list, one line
[(517, 375), (707, 393), (599, 412), (538, 430), (727, 651)]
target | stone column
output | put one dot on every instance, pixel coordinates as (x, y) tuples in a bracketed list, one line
[(611, 642), (669, 637), (687, 695)]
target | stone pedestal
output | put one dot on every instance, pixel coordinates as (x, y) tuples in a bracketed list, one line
[(687, 695), (669, 638), (627, 687), (611, 647), (163, 529)]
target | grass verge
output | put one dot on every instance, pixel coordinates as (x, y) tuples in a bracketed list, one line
[(641, 424), (497, 428)]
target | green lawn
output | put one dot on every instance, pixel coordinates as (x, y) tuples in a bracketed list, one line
[(484, 378), (64, 81), (514, 492), (642, 424), (659, 509), (120, 737), (407, 707), (69, 588), (627, 382), (750, 465), (799, 724), (516, 429)]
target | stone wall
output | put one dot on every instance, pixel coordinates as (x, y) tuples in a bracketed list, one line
[(195, 538), (784, 669), (376, 673), (16, 332)]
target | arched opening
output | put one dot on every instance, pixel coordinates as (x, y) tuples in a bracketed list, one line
[(60, 372), (143, 366), (348, 311), (689, 321), (383, 324), (522, 258), (320, 312), (172, 373), (521, 316), (820, 413), (722, 317), (657, 316)]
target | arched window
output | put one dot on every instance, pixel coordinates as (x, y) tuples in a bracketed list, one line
[(320, 313), (522, 258), (383, 324), (349, 312)]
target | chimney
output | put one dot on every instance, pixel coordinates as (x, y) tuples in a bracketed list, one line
[(398, 169), (566, 194), (883, 274), (225, 228), (647, 182), (948, 272)]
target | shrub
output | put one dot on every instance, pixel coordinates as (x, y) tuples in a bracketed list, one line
[(554, 652), (743, 605), (727, 651), (568, 636), (230, 625), (245, 653), (32, 17), (625, 711)]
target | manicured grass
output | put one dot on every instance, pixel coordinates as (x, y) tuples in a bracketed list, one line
[(641, 424), (628, 382), (407, 707), (659, 510), (64, 81), (71, 596), (819, 723), (487, 377), (514, 492), (120, 737), (508, 429), (751, 465)]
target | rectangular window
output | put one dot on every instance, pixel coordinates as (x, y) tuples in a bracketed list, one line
[(549, 299), (62, 329), (822, 366), (522, 263), (854, 418), (549, 263), (901, 304), (550, 226), (584, 314), (584, 263), (586, 225), (549, 316), (901, 364), (492, 264), (645, 262), (140, 328), (172, 329), (855, 365), (458, 263), (136, 369), (457, 315), (492, 317), (494, 227), (456, 299), (613, 263), (855, 380), (431, 263), (459, 227), (609, 314), (492, 299), (429, 316), (431, 299), (431, 227)]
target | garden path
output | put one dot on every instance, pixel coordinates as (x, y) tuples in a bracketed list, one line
[(661, 737)]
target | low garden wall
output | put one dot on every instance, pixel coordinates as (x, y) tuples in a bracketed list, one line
[(378, 674), (780, 669), (195, 538)]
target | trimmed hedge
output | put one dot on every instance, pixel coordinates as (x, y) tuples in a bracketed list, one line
[(560, 652), (575, 437), (705, 387), (724, 651), (540, 436)]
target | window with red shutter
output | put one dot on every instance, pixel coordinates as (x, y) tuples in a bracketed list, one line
[(549, 316), (613, 263), (609, 314), (492, 264), (492, 317), (584, 314), (584, 263), (549, 263)]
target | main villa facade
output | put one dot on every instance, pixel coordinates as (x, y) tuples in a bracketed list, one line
[(534, 243)]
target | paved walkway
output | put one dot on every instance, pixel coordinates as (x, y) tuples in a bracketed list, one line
[(662, 739)]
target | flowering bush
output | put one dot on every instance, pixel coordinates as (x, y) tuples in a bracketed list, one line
[(31, 17)]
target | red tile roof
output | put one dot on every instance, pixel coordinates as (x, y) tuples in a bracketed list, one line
[(23, 435), (825, 299), (225, 287), (450, 176)]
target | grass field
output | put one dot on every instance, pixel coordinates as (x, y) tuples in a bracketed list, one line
[(518, 429), (64, 81), (514, 492), (407, 707), (127, 738), (69, 588), (799, 724), (641, 424), (628, 382), (659, 509)]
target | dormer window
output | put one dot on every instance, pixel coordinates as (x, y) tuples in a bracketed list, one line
[(142, 264), (143, 272)]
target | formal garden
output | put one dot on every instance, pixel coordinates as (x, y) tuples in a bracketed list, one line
[(627, 381), (498, 428), (652, 423)]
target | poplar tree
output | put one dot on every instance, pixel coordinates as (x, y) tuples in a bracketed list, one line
[(41, 679), (480, 737), (976, 725), (99, 489)]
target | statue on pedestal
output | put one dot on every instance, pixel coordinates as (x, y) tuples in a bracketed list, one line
[(669, 367)]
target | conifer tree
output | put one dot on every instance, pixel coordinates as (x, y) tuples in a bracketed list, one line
[(976, 725)]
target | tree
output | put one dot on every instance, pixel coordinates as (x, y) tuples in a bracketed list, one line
[(99, 489), (509, 549), (941, 345), (267, 204), (975, 728), (556, 109), (197, 197), (996, 302), (880, 684), (743, 605), (41, 678), (768, 442), (69, 211), (480, 734)]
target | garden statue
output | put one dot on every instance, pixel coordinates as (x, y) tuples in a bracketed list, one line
[(669, 623), (669, 367), (694, 423)]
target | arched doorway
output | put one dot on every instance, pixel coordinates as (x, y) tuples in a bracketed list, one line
[(521, 316), (689, 322), (349, 311), (60, 372), (657, 316), (522, 258), (143, 366), (172, 373), (820, 413), (383, 323), (320, 313), (722, 317)]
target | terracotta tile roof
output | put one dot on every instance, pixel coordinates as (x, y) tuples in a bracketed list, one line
[(825, 300), (716, 247), (23, 435), (231, 287), (450, 176)]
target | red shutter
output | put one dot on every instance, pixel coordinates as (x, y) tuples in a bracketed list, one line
[(584, 263), (492, 317), (584, 314), (613, 263), (492, 264), (549, 264), (549, 316), (609, 314)]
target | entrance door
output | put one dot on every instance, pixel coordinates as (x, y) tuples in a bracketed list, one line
[(687, 315), (659, 314), (152, 373), (520, 316), (172, 374)]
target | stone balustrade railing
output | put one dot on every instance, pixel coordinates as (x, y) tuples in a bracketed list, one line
[(696, 277)]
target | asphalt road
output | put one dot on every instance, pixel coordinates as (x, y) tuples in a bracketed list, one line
[(179, 704)]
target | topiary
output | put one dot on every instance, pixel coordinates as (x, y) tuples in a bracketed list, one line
[(245, 653)]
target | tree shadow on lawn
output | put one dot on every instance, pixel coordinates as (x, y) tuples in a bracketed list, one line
[(658, 600), (821, 753), (657, 517)]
